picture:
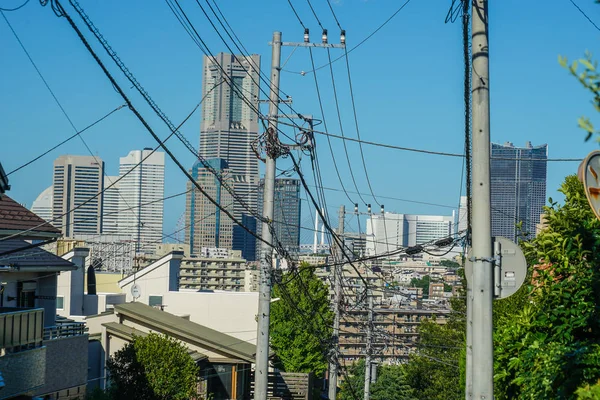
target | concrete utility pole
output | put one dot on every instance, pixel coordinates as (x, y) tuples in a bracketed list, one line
[(482, 287), (369, 350), (261, 371), (337, 279)]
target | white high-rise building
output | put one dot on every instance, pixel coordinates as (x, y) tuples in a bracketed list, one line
[(42, 206), (76, 202), (388, 232), (141, 191), (110, 210)]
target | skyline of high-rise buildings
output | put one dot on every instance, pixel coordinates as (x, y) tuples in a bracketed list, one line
[(518, 188)]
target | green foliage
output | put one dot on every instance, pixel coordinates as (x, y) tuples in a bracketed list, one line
[(301, 322), (152, 367), (589, 77), (421, 283), (450, 264), (391, 383), (547, 343), (589, 392), (436, 372)]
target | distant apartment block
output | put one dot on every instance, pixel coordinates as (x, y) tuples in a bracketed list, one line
[(207, 225), (77, 195), (203, 273), (141, 190), (518, 188), (401, 327)]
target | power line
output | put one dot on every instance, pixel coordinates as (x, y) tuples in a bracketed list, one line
[(14, 9), (334, 16), (325, 127), (66, 140), (438, 153), (314, 13), (339, 115), (295, 13), (585, 15), (362, 154), (359, 43)]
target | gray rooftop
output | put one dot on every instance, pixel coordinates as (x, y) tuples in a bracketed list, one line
[(188, 332)]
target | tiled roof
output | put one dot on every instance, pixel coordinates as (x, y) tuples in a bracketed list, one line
[(16, 218), (31, 258)]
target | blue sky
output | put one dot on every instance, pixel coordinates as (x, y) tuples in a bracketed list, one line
[(407, 82)]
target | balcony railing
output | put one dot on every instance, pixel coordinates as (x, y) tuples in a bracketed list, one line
[(62, 330), (21, 327)]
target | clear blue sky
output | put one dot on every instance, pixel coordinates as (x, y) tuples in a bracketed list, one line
[(407, 80)]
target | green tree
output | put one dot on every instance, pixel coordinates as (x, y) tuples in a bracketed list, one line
[(437, 369), (549, 346), (450, 264), (301, 322), (421, 283), (152, 367), (391, 383)]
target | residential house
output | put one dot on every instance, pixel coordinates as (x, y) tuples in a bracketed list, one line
[(40, 354), (224, 361)]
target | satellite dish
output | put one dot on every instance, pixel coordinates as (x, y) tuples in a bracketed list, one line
[(136, 291), (589, 175)]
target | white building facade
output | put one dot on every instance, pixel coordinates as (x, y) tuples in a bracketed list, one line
[(42, 206), (388, 232), (77, 185), (140, 193)]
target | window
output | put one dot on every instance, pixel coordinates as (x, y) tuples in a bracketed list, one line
[(60, 302), (154, 301)]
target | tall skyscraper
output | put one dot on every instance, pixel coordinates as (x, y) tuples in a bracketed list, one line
[(286, 212), (76, 180), (229, 122), (42, 206), (518, 188), (207, 225), (110, 210), (142, 191), (392, 231)]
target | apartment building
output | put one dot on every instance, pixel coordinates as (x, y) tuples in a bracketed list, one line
[(396, 328), (204, 273)]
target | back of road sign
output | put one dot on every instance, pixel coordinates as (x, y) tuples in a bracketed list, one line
[(510, 267)]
